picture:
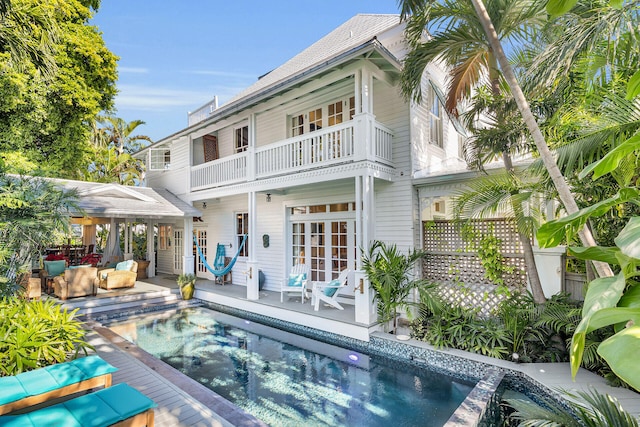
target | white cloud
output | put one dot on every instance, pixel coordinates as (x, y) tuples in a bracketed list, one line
[(149, 98), (133, 70)]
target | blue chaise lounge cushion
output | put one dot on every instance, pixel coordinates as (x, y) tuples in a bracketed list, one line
[(102, 408), (296, 280), (52, 377), (332, 291)]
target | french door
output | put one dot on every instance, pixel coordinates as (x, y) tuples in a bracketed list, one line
[(201, 237), (327, 246), (178, 250)]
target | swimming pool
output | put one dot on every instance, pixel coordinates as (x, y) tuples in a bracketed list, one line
[(286, 379)]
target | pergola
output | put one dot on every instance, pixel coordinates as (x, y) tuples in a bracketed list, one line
[(114, 204)]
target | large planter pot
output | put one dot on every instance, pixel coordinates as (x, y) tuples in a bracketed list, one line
[(143, 265), (187, 290)]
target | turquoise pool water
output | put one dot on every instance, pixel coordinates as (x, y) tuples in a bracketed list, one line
[(288, 380)]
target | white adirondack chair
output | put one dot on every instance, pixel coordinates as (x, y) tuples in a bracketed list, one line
[(296, 282), (328, 291)]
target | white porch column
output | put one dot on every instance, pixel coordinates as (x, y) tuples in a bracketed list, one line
[(128, 237), (549, 262), (251, 150), (253, 289), (365, 221), (188, 261), (151, 253), (89, 234)]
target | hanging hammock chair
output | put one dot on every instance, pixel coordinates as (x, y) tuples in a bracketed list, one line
[(219, 269)]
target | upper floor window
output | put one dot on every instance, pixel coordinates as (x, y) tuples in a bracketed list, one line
[(159, 158), (242, 139), (435, 118), (352, 107), (334, 113), (315, 119), (297, 125)]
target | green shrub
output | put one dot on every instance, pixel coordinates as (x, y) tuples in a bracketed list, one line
[(34, 334), (519, 330)]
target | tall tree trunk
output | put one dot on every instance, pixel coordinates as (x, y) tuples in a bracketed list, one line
[(566, 197), (525, 240)]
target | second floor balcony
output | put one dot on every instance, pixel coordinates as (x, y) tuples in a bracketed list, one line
[(357, 140)]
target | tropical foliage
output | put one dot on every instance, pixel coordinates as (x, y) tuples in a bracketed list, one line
[(390, 273), (588, 408), (31, 211), (56, 74), (36, 334)]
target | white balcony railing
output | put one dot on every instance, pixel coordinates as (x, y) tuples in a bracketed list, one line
[(322, 148), (319, 148), (225, 171)]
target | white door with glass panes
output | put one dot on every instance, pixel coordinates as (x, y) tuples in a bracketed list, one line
[(178, 250), (201, 237), (323, 237)]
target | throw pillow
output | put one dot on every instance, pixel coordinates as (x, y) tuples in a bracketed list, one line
[(124, 265), (296, 280), (55, 268), (332, 291)]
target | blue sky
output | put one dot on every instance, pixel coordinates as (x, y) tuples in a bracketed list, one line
[(175, 56)]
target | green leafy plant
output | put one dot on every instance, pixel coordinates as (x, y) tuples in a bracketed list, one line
[(597, 410), (390, 273), (31, 211), (36, 334), (487, 246)]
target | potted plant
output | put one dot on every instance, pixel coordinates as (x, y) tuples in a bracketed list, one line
[(187, 285), (390, 273)]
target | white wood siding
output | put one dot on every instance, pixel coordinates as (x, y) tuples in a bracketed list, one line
[(394, 201), (164, 258)]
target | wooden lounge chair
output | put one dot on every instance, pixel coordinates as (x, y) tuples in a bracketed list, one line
[(328, 291), (296, 282), (120, 405), (62, 379)]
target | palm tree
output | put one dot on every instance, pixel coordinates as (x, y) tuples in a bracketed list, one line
[(461, 43), (31, 210), (119, 134), (28, 34), (114, 145), (471, 44)]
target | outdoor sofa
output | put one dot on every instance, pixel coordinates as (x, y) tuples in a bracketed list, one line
[(76, 282)]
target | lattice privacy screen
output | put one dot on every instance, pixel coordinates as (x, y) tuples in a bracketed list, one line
[(460, 272)]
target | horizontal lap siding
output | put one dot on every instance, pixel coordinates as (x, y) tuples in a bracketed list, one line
[(394, 216)]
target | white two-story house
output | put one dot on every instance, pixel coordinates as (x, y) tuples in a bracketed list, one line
[(313, 161)]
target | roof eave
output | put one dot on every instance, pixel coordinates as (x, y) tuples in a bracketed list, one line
[(277, 87)]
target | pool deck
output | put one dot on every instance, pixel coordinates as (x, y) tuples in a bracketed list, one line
[(183, 402)]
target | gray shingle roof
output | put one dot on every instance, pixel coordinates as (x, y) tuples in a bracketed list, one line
[(356, 31)]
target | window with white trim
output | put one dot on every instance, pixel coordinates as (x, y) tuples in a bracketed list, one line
[(334, 113), (315, 119), (296, 125), (242, 139), (242, 228), (159, 159), (164, 236), (435, 118)]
